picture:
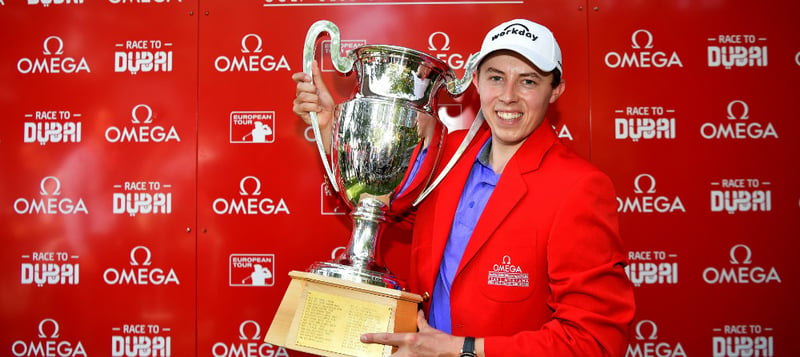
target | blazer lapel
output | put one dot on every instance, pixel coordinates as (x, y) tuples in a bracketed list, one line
[(448, 195), (510, 189)]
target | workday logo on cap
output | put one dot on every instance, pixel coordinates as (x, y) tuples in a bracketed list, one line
[(517, 29), (535, 42)]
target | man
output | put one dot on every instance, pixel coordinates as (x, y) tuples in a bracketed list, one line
[(518, 248)]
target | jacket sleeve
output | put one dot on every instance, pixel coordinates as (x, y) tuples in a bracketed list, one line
[(590, 294)]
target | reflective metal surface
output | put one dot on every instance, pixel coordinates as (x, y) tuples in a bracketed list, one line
[(378, 134)]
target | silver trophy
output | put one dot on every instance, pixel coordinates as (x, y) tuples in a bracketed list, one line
[(378, 135)]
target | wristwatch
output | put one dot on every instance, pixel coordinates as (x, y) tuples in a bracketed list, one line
[(469, 348)]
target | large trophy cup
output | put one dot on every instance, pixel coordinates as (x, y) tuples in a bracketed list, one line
[(386, 142)]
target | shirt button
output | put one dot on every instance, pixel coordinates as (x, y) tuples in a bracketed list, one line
[(472, 204)]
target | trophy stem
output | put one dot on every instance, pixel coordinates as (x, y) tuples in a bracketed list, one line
[(358, 263), (368, 223)]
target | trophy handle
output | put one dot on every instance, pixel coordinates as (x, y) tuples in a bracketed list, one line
[(458, 86), (342, 64)]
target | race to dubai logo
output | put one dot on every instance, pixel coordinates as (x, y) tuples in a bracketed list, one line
[(142, 197), (743, 340), (141, 340), (47, 3), (249, 342), (649, 344), (144, 2), (642, 56), (741, 271), (142, 131), (730, 51), (251, 270), (251, 58), (49, 268), (135, 56), (741, 195), (52, 126), (652, 268), (644, 123), (738, 125), (53, 60), (50, 200), (140, 273), (250, 201), (48, 343), (252, 127), (647, 200)]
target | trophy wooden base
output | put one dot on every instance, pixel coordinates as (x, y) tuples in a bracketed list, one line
[(326, 316)]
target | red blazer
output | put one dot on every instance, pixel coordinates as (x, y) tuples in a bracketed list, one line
[(543, 273)]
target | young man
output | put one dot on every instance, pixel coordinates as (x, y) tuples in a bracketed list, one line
[(518, 247)]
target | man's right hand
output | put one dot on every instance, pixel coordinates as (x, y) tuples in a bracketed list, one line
[(312, 97)]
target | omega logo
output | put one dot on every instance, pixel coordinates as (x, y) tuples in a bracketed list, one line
[(135, 117), (243, 191), (52, 62), (249, 346), (648, 201), (42, 334), (259, 43), (251, 59), (59, 51), (745, 110), (446, 45), (147, 258), (140, 276), (643, 57), (256, 335), (142, 133), (738, 130), (743, 272), (635, 44), (50, 205), (746, 258), (454, 60), (56, 189), (651, 347), (252, 205), (653, 333), (637, 187)]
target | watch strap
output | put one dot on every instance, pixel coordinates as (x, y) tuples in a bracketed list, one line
[(468, 350)]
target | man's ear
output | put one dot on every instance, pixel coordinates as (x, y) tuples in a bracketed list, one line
[(475, 79), (558, 91)]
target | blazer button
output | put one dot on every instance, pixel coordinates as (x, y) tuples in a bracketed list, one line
[(426, 296)]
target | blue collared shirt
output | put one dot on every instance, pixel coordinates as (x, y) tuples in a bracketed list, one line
[(479, 187)]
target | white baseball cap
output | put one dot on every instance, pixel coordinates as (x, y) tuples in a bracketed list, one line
[(533, 41)]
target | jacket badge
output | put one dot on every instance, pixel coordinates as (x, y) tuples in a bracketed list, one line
[(507, 274)]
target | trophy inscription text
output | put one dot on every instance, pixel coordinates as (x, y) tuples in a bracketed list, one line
[(335, 323)]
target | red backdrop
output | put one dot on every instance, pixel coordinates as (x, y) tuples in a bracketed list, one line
[(136, 200)]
